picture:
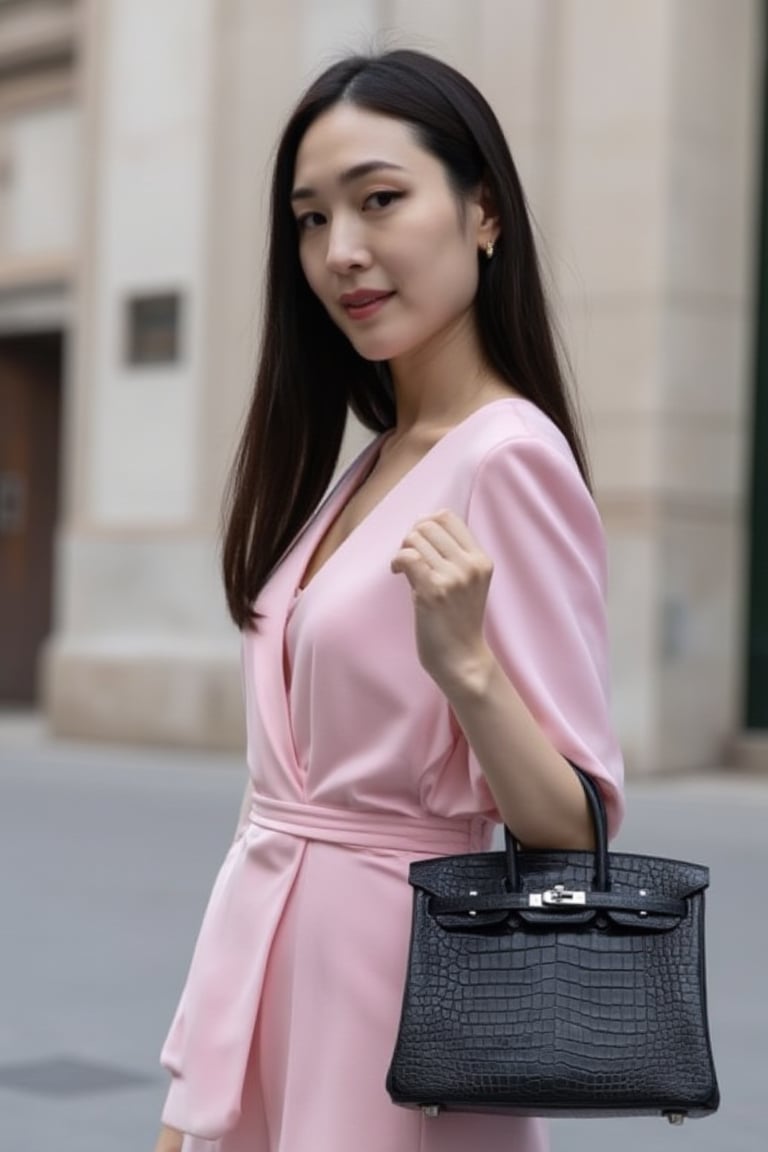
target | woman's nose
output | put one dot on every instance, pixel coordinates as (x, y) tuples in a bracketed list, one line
[(346, 249)]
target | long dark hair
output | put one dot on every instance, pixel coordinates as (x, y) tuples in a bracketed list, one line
[(309, 373)]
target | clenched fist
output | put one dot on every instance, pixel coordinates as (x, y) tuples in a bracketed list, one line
[(449, 577)]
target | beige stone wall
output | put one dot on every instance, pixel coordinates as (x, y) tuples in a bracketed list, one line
[(660, 206), (635, 125)]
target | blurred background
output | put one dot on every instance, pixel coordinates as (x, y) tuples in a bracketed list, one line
[(136, 138), (135, 145)]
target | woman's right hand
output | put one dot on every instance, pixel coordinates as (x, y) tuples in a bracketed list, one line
[(169, 1140)]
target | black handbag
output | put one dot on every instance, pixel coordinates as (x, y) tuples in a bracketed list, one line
[(550, 983)]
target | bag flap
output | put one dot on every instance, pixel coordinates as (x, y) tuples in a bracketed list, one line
[(485, 872)]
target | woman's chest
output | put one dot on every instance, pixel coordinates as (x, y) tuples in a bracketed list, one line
[(374, 492)]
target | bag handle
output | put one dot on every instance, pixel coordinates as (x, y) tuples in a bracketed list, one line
[(602, 881)]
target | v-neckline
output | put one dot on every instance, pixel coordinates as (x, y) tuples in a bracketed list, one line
[(301, 588), (366, 462)]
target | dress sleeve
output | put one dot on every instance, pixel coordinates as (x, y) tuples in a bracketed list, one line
[(531, 512)]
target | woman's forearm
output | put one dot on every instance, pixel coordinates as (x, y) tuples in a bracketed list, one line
[(536, 791)]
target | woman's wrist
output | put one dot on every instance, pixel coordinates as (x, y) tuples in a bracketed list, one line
[(469, 678)]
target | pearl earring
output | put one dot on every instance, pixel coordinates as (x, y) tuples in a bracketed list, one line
[(489, 249)]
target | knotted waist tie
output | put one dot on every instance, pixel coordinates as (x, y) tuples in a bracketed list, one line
[(356, 828)]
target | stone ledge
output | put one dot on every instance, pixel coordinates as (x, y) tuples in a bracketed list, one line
[(749, 752), (172, 698)]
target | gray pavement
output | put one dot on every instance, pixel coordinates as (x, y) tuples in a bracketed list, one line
[(106, 859)]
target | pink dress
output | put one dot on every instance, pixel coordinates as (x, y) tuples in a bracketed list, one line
[(285, 1028)]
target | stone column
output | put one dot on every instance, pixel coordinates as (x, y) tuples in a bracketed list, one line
[(142, 649)]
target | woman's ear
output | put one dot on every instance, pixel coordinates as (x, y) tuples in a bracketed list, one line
[(488, 226)]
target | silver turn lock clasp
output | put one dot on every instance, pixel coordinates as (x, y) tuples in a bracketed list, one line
[(556, 897), (676, 1117), (431, 1111)]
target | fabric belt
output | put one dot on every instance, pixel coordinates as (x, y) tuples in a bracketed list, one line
[(357, 828)]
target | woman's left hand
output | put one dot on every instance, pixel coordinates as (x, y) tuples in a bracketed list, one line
[(449, 577)]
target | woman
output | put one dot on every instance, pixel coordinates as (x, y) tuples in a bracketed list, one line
[(425, 653)]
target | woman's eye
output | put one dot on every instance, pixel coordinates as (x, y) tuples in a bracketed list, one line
[(381, 199), (310, 220)]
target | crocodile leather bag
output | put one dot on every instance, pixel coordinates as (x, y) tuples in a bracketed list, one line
[(552, 983)]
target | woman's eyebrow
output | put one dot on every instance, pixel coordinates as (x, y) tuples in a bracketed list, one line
[(354, 173)]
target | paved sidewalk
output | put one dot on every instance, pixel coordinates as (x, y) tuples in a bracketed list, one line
[(107, 856)]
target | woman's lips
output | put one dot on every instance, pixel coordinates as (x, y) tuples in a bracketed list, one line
[(361, 307)]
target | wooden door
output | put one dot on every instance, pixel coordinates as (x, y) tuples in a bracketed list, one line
[(30, 401)]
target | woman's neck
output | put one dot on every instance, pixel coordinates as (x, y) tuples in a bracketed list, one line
[(443, 381)]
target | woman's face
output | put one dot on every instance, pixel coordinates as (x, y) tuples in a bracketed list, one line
[(381, 240)]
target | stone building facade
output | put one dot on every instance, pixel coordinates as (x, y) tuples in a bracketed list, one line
[(135, 146)]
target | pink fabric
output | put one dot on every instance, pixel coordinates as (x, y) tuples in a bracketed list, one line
[(284, 1031)]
